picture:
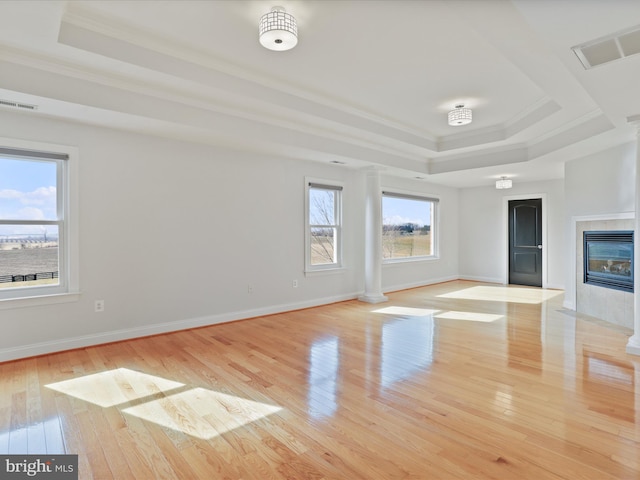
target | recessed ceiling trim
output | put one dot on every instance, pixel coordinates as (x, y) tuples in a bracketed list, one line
[(488, 158), (535, 113), (113, 38), (588, 126), (593, 117)]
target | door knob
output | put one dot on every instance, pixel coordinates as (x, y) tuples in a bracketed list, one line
[(539, 247)]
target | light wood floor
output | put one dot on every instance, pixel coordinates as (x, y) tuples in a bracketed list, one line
[(454, 381)]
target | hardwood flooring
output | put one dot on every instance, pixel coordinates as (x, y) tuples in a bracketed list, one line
[(459, 380)]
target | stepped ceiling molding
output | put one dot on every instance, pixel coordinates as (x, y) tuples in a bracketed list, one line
[(369, 83)]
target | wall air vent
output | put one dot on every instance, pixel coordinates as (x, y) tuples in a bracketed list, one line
[(11, 104), (607, 49)]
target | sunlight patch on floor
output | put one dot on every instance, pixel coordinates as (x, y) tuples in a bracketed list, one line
[(114, 387), (469, 316), (504, 294), (406, 311), (202, 413), (198, 412)]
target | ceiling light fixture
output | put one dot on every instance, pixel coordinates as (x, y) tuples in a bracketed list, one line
[(460, 116), (278, 30), (504, 182)]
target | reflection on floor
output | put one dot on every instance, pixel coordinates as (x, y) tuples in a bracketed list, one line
[(469, 316), (452, 381), (406, 348), (324, 362)]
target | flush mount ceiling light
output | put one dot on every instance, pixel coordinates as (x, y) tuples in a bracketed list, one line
[(278, 30), (504, 182), (460, 116)]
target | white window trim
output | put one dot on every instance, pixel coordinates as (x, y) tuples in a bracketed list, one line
[(69, 288), (435, 225), (311, 270)]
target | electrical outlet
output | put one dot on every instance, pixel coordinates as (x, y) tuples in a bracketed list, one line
[(295, 284), (99, 306), (250, 288)]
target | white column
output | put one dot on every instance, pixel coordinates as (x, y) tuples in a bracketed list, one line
[(633, 346), (373, 240)]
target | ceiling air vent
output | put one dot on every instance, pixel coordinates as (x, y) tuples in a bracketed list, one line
[(607, 49), (24, 106)]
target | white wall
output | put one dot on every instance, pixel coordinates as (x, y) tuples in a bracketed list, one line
[(483, 231), (598, 187), (172, 234), (602, 183)]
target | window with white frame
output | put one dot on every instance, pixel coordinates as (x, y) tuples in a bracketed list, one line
[(323, 226), (408, 226), (34, 256)]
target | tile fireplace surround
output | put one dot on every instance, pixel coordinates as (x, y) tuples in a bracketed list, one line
[(611, 305)]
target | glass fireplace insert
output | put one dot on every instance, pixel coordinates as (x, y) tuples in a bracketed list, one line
[(608, 259)]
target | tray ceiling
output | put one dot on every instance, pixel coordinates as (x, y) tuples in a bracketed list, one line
[(369, 83)]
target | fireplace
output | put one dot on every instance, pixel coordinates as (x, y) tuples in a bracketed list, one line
[(608, 259)]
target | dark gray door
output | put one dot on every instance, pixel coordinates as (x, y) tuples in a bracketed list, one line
[(525, 242)]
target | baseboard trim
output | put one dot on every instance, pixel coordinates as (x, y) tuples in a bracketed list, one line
[(474, 278), (43, 348), (633, 347), (423, 283)]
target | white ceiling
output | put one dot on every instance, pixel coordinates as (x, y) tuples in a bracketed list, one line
[(370, 82)]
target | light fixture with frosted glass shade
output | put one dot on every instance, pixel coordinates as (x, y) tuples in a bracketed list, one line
[(503, 183), (460, 115), (278, 30)]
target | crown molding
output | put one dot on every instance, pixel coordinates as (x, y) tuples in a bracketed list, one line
[(310, 142), (212, 101), (96, 33), (273, 101), (490, 157), (195, 122), (583, 128), (579, 124), (535, 113)]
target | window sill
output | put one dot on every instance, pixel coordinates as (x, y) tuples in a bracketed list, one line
[(404, 261), (325, 271), (22, 302)]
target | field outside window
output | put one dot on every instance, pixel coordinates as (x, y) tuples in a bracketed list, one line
[(407, 226), (31, 225)]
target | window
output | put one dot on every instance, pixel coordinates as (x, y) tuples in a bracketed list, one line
[(408, 226), (323, 235), (34, 235)]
